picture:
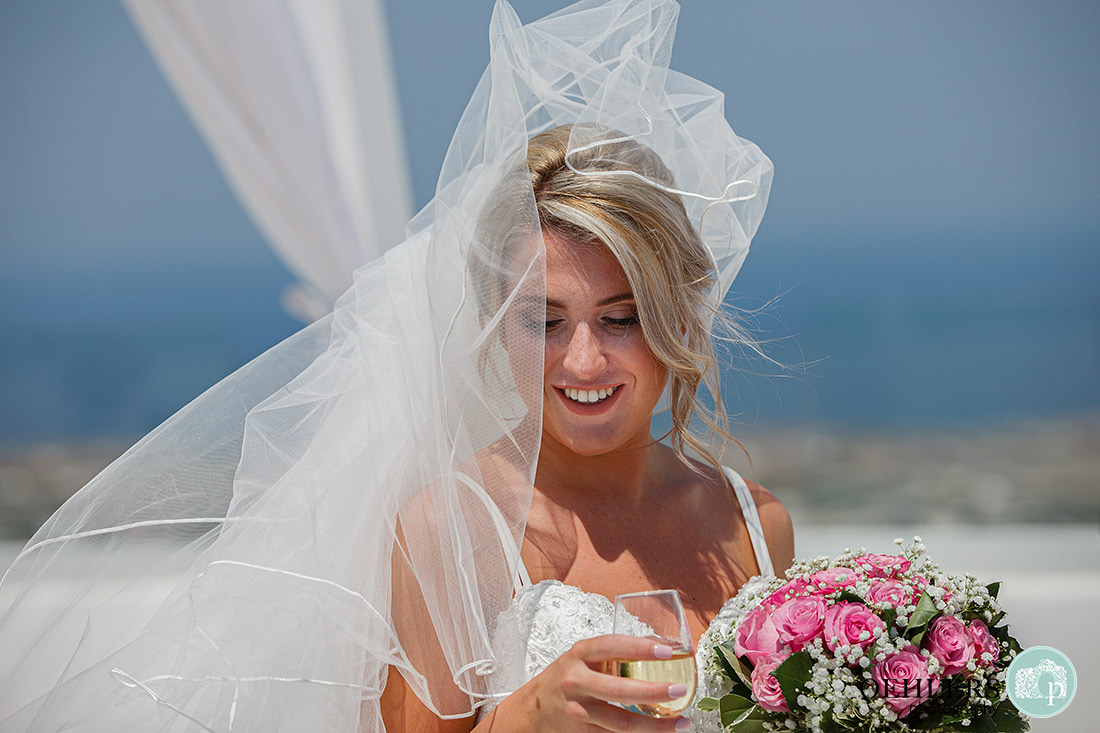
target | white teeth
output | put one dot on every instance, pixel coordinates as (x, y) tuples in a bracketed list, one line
[(588, 396)]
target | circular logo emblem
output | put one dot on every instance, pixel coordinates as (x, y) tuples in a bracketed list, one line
[(1041, 681)]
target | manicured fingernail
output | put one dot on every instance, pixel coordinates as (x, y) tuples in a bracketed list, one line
[(683, 723), (662, 651), (675, 691)]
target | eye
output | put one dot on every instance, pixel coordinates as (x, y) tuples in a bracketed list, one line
[(540, 321), (542, 324), (623, 322)]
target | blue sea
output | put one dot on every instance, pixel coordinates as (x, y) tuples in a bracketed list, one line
[(897, 337)]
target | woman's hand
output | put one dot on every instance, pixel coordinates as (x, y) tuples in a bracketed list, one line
[(576, 692)]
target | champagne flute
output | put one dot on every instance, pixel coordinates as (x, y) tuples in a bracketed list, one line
[(658, 615)]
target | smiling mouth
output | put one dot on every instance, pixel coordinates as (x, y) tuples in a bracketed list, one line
[(588, 396)]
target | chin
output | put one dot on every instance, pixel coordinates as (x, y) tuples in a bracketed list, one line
[(589, 449), (590, 443)]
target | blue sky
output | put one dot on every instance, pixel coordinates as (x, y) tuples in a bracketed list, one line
[(925, 152)]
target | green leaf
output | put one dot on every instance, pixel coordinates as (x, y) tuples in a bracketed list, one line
[(847, 595), (744, 715), (793, 675), (706, 703), (994, 588), (1007, 718), (724, 661), (922, 615), (731, 707), (828, 725), (750, 725), (1001, 635), (972, 613), (735, 664), (983, 723), (740, 688), (889, 616)]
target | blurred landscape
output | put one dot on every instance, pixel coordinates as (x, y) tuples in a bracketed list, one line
[(1041, 472), (1037, 471)]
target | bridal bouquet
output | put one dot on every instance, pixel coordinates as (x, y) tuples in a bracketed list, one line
[(862, 643)]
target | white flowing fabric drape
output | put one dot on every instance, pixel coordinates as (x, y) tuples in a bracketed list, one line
[(296, 101)]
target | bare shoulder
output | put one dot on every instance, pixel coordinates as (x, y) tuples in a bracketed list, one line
[(776, 523)]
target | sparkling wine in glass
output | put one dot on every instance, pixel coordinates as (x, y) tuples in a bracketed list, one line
[(659, 615)]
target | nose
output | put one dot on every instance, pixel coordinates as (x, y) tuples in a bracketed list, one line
[(584, 357)]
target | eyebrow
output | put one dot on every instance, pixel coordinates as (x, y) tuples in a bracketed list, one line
[(621, 297)]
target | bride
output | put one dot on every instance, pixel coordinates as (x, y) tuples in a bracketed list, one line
[(412, 514), (624, 320)]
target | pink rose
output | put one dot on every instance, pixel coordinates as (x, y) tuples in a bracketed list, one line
[(949, 642), (890, 591), (884, 566), (903, 680), (799, 620), (983, 642), (756, 635), (834, 579), (765, 687), (791, 589), (851, 623)]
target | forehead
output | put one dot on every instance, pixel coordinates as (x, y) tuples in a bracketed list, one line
[(581, 270)]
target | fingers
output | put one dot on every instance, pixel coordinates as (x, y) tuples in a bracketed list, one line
[(628, 691), (614, 718), (597, 679), (619, 646), (593, 682)]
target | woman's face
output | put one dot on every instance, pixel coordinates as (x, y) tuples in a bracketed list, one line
[(601, 381)]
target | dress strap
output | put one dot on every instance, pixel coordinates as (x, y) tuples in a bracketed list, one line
[(523, 577), (520, 574), (752, 521)]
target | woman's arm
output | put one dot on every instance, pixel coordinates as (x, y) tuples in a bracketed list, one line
[(571, 694), (402, 710), (776, 523)]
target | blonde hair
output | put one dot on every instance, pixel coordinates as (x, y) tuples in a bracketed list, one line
[(668, 266)]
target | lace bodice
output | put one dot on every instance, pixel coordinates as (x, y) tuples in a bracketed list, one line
[(547, 618)]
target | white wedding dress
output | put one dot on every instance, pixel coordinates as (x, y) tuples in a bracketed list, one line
[(547, 618)]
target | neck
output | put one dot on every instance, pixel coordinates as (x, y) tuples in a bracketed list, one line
[(622, 477)]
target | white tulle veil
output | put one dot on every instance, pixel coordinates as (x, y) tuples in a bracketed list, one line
[(356, 497)]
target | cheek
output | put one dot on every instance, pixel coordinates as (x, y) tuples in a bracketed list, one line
[(555, 347), (643, 363), (520, 341)]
